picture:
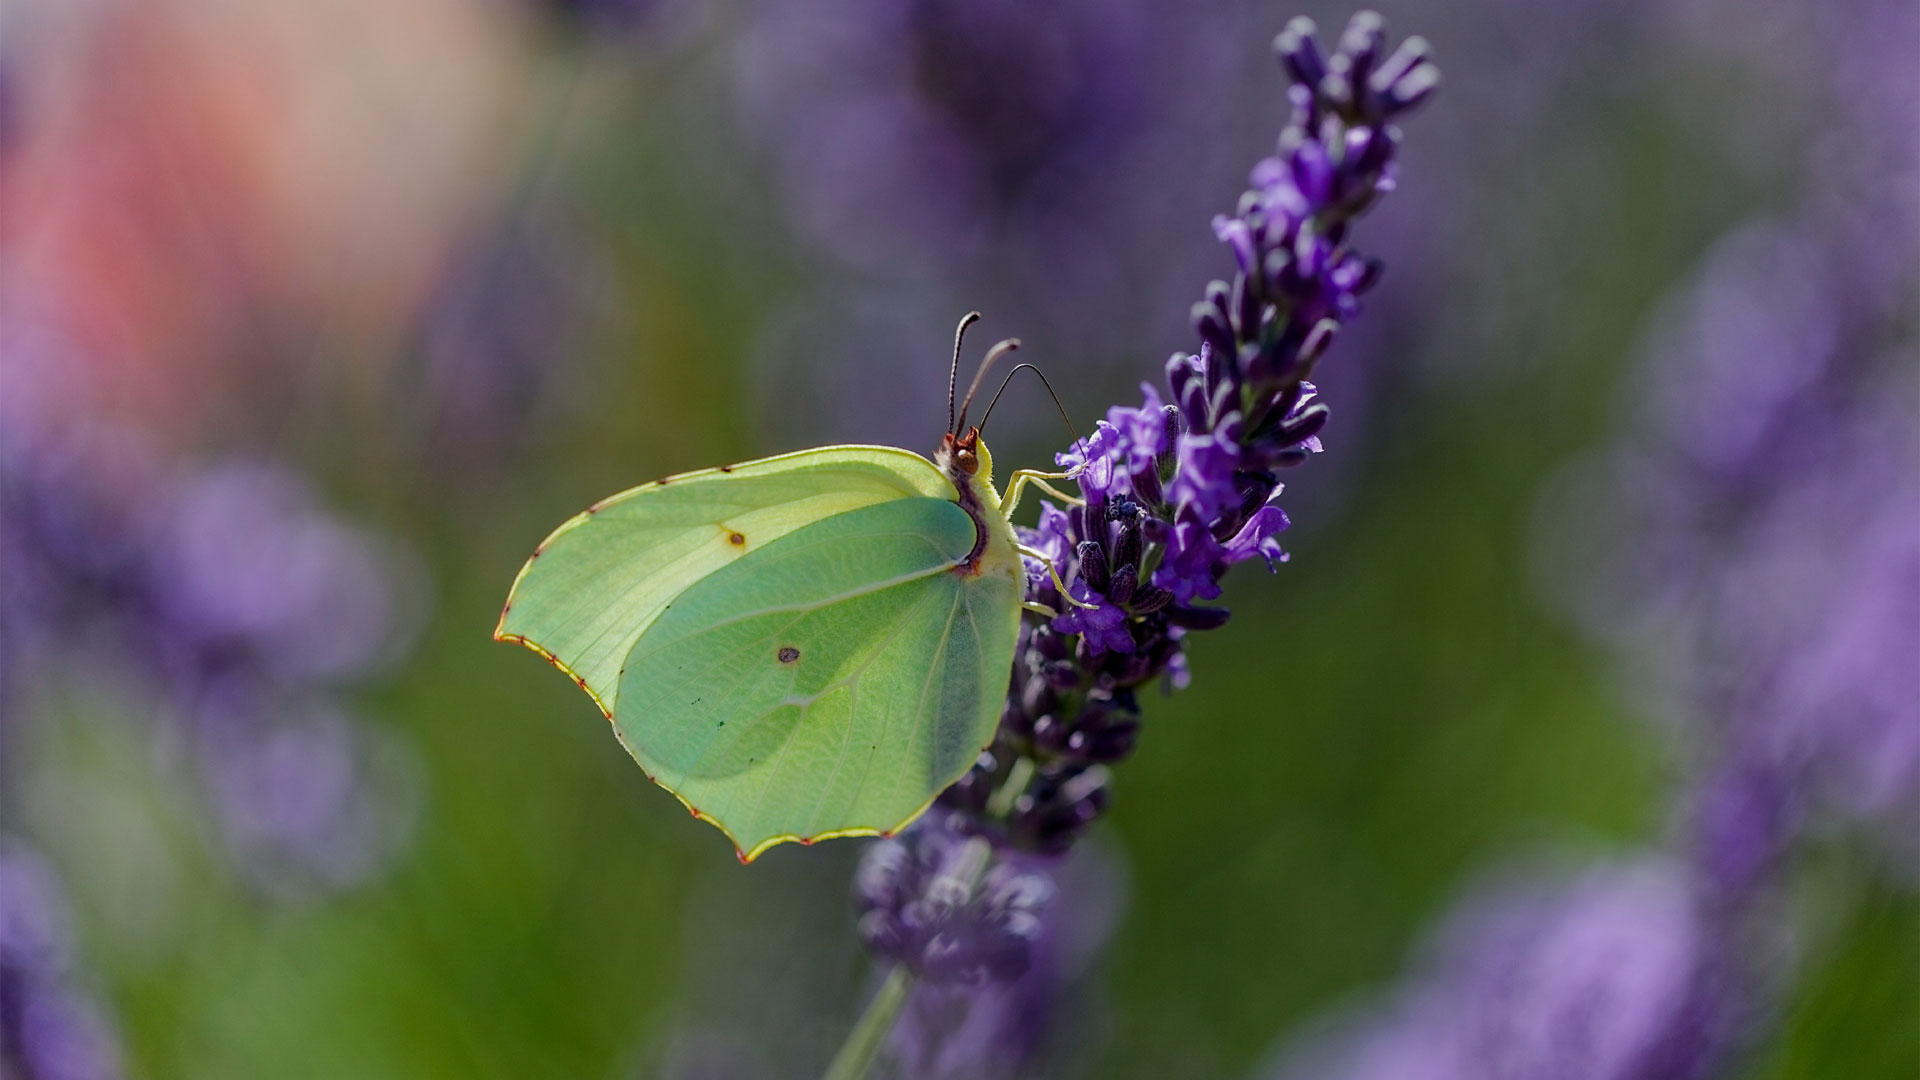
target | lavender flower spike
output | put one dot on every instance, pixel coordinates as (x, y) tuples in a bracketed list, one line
[(1185, 485), (1175, 491)]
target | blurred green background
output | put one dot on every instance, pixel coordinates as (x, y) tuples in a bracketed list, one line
[(1396, 709)]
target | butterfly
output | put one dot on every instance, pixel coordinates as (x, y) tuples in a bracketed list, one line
[(800, 647)]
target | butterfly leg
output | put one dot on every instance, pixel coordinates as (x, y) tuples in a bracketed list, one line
[(1033, 553), (1017, 486)]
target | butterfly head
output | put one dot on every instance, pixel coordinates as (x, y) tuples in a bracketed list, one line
[(963, 457)]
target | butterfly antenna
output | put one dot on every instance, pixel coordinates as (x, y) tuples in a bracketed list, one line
[(953, 374), (1043, 382), (993, 356)]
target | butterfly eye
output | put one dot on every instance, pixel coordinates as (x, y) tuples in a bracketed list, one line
[(968, 460)]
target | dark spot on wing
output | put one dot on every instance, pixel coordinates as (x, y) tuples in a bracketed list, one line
[(737, 539), (726, 468), (788, 654)]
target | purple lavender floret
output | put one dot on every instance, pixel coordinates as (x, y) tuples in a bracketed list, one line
[(919, 907), (50, 1027)]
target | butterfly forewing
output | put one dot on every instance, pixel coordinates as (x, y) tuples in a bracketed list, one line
[(601, 579)]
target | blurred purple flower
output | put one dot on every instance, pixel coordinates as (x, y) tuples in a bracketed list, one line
[(497, 336), (234, 602), (312, 800), (50, 1028), (1617, 974), (1042, 163), (1010, 1027), (248, 560), (918, 908), (913, 133), (1762, 524)]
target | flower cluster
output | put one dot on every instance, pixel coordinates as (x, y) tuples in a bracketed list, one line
[(1180, 488), (920, 906), (944, 132), (229, 597), (50, 1027), (1034, 1023), (1754, 554)]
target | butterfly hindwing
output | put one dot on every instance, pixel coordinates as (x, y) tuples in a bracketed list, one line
[(830, 683)]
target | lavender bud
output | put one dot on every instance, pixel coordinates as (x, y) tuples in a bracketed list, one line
[(1369, 149), (1146, 482), (1245, 308), (1149, 598), (1114, 742), (1182, 370), (1093, 565), (1303, 425), (1050, 734), (1125, 535), (1359, 48), (1036, 698), (1299, 53), (1317, 342), (1312, 173), (1197, 618), (1406, 79)]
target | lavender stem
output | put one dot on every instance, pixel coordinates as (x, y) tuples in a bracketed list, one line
[(863, 1043), (1017, 776), (862, 1047)]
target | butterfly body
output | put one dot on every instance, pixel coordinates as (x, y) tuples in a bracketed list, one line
[(799, 647)]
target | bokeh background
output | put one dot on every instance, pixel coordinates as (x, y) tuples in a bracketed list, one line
[(315, 317)]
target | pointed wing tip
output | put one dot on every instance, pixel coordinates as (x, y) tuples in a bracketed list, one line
[(500, 634)]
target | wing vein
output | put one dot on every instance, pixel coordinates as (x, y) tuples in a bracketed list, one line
[(853, 712), (920, 709), (920, 721), (760, 801), (803, 608), (701, 754)]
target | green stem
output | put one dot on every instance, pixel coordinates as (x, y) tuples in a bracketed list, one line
[(862, 1047), (857, 1054), (1016, 782)]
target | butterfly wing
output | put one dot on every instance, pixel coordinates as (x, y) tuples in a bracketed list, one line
[(832, 683), (602, 578)]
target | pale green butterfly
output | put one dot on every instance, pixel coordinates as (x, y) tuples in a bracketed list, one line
[(800, 647)]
